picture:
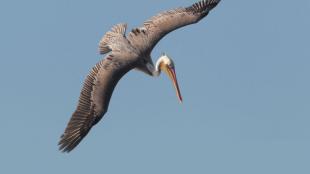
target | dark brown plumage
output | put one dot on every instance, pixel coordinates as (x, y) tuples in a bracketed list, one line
[(125, 53)]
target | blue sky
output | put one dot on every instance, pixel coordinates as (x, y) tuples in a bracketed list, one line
[(243, 72)]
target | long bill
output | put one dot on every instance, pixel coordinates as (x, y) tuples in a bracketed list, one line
[(171, 73)]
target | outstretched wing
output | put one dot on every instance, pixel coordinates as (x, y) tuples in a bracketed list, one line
[(147, 36), (94, 99)]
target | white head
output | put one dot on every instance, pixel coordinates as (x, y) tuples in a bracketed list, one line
[(166, 64), (164, 60)]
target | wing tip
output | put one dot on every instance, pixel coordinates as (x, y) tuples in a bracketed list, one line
[(66, 144), (203, 6), (71, 138), (212, 3)]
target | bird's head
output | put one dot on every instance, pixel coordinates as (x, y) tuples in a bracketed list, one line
[(166, 64)]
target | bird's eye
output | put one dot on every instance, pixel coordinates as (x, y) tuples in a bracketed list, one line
[(144, 61)]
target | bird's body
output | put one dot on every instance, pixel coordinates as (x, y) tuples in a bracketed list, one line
[(124, 54)]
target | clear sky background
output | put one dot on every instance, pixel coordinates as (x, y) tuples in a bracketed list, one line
[(243, 71)]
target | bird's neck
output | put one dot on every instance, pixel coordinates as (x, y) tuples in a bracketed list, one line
[(157, 69)]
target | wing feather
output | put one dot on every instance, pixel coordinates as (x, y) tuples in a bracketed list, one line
[(147, 36), (94, 100)]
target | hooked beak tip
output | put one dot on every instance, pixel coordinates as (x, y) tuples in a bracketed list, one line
[(181, 100)]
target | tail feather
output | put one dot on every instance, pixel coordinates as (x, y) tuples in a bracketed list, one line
[(117, 31)]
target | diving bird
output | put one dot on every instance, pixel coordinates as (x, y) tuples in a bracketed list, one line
[(125, 53)]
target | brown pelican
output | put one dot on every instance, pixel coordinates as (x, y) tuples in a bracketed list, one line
[(125, 53)]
